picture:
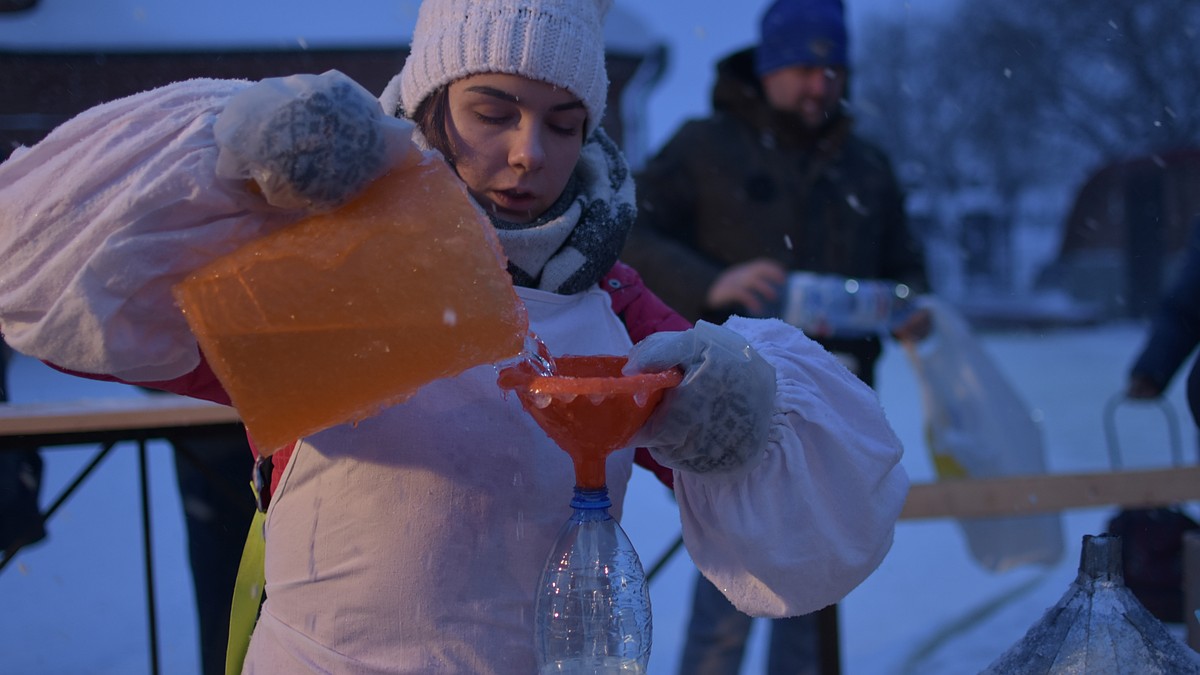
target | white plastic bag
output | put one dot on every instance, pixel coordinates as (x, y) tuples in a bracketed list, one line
[(116, 205), (101, 217), (976, 426)]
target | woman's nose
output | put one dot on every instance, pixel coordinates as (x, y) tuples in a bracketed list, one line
[(527, 152)]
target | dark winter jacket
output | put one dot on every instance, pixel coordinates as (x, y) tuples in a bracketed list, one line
[(749, 182), (1175, 330)]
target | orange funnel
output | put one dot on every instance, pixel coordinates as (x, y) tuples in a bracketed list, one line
[(588, 408)]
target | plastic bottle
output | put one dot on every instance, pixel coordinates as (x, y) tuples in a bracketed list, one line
[(592, 612), (827, 305)]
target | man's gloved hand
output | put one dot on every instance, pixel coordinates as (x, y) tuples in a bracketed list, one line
[(310, 142), (716, 419)]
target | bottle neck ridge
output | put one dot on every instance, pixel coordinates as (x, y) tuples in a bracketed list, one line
[(591, 498)]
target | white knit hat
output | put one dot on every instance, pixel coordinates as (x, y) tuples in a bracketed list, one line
[(556, 41)]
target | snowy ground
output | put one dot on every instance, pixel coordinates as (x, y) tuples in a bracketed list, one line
[(75, 603)]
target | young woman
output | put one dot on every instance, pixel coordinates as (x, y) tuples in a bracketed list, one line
[(411, 541)]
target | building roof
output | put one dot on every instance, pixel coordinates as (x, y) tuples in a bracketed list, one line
[(188, 25)]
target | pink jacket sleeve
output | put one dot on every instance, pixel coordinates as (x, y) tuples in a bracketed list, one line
[(644, 314)]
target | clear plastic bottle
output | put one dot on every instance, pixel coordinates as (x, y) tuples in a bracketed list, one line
[(592, 613), (828, 305)]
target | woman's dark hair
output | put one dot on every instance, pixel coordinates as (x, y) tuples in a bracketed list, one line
[(430, 117)]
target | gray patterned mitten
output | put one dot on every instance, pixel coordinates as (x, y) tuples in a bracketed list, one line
[(716, 419), (310, 142)]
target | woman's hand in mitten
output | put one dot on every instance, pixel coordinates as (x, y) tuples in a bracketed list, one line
[(309, 142), (716, 419)]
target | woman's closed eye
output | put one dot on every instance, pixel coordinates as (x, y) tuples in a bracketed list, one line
[(493, 117), (566, 127), (563, 125)]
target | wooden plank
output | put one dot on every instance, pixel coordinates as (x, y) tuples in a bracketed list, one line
[(1025, 495), (965, 498), (153, 411)]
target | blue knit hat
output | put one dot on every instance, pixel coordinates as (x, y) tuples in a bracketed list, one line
[(802, 33)]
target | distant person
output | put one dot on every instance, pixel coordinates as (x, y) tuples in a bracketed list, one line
[(1152, 540), (774, 181), (212, 471), (1173, 335), (21, 520)]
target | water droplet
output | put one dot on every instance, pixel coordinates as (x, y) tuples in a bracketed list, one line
[(537, 354)]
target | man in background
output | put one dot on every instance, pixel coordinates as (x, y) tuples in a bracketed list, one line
[(775, 181)]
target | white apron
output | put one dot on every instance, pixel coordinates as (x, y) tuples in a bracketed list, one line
[(412, 541)]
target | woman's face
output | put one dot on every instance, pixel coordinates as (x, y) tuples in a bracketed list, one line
[(514, 141)]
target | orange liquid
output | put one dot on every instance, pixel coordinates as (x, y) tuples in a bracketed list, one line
[(334, 318), (588, 407)]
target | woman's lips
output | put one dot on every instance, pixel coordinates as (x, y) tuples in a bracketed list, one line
[(515, 196), (517, 201)]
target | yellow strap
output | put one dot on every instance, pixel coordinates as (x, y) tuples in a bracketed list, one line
[(247, 596)]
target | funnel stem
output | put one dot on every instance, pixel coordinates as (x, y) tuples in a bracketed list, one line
[(590, 470)]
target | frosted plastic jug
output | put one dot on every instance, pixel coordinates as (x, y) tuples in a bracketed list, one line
[(331, 319)]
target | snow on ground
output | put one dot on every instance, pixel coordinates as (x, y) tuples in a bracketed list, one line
[(76, 604)]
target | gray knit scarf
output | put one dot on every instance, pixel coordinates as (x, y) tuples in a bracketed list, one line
[(578, 240)]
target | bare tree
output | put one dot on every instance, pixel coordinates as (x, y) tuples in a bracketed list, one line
[(1017, 94), (1107, 78)]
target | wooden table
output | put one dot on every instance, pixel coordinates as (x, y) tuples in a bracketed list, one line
[(101, 420), (108, 422)]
